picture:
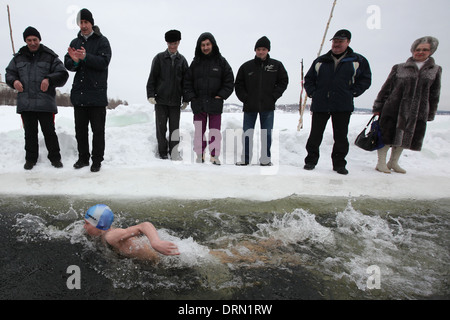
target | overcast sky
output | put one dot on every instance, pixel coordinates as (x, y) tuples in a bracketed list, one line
[(383, 31)]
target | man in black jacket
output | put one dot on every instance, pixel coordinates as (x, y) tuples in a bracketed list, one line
[(209, 81), (333, 81), (89, 55), (165, 91), (35, 72), (260, 82)]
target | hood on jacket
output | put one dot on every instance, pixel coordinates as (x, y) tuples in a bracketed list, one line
[(198, 50)]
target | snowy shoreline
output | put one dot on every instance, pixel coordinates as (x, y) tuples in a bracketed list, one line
[(130, 169), (245, 183)]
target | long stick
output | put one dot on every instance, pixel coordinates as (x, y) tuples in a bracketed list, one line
[(302, 107), (326, 29), (10, 30), (300, 124)]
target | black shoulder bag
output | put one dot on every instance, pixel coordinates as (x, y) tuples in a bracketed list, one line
[(372, 140)]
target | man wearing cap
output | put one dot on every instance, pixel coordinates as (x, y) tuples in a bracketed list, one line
[(333, 81), (165, 91), (35, 72), (89, 55), (260, 82)]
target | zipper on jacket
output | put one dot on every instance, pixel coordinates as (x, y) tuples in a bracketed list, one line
[(173, 84), (261, 85)]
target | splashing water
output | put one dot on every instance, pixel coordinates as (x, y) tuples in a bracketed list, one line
[(228, 252)]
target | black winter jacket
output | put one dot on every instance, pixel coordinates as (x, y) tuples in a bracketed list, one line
[(30, 69), (208, 77), (259, 84), (165, 82), (90, 83), (333, 90)]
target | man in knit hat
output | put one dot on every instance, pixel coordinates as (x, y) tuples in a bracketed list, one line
[(165, 91), (260, 82), (89, 56), (35, 72)]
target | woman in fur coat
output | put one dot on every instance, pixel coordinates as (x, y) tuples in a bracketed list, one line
[(408, 99)]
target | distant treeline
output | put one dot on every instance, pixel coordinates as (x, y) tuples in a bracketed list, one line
[(294, 108), (8, 97)]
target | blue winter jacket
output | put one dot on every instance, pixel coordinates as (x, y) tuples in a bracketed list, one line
[(333, 89)]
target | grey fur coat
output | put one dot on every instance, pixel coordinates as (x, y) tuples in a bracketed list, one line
[(407, 100)]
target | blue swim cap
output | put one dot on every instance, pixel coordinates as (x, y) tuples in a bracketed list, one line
[(100, 216)]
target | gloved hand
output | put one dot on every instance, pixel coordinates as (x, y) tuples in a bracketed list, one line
[(184, 105), (152, 100)]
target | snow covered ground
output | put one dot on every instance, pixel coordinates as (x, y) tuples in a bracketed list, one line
[(131, 170)]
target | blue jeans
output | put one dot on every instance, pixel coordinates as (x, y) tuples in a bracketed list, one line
[(266, 121)]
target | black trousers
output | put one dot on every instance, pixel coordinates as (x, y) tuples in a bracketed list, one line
[(164, 114), (96, 116), (340, 122), (47, 122)]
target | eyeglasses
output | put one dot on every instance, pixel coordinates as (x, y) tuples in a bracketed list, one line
[(422, 50)]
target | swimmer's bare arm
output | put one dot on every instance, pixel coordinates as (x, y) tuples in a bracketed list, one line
[(117, 237)]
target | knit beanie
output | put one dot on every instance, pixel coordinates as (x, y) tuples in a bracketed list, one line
[(263, 42), (172, 36), (85, 14), (30, 31)]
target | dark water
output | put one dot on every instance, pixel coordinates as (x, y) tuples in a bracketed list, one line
[(293, 248)]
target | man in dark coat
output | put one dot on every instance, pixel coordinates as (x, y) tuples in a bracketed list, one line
[(260, 82), (35, 72), (333, 81), (209, 81), (89, 56), (165, 91)]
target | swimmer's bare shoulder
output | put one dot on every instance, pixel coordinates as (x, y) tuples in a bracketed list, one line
[(127, 242)]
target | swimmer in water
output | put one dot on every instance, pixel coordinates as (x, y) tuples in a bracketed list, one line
[(128, 242), (142, 242)]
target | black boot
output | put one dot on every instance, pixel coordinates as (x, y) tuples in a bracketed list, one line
[(96, 167), (29, 165)]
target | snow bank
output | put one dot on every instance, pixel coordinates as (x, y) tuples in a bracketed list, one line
[(131, 170)]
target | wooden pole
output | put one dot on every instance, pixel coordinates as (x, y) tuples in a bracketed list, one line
[(302, 107), (326, 29), (10, 30)]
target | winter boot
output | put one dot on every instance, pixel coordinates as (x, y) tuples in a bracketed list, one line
[(393, 162), (215, 160), (200, 158), (381, 165)]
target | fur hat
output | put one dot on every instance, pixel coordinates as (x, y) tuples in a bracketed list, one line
[(263, 42), (30, 31), (434, 43), (172, 36)]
